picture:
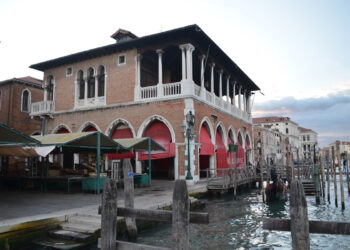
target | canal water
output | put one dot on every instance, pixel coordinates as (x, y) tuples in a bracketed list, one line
[(237, 224)]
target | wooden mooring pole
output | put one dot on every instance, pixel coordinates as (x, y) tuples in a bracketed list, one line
[(181, 204), (298, 217), (235, 178), (328, 181), (109, 215), (347, 171), (129, 198), (322, 178), (340, 176), (298, 162), (334, 178)]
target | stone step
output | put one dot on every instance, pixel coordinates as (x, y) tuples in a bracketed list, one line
[(80, 228), (69, 235), (86, 220)]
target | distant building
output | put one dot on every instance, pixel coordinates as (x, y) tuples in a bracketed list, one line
[(308, 139), (16, 98), (344, 146), (270, 144), (286, 127)]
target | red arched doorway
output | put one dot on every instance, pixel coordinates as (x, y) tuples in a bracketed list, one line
[(240, 154), (231, 156), (206, 150), (62, 130), (221, 154), (162, 161), (121, 131), (89, 128)]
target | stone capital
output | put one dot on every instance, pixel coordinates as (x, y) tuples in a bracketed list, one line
[(212, 65), (202, 57), (138, 57), (160, 51)]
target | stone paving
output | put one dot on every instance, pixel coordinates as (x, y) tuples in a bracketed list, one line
[(22, 206)]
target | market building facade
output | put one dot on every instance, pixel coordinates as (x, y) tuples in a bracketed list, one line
[(146, 87)]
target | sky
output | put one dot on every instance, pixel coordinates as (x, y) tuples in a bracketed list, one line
[(296, 51)]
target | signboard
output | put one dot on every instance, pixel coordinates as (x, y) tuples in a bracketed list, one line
[(131, 175), (232, 148)]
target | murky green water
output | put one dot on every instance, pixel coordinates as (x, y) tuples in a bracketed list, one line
[(238, 224)]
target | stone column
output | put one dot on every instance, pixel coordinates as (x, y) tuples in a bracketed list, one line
[(202, 93), (234, 94), (244, 100), (96, 89), (239, 97), (189, 65), (212, 65), (220, 83), (160, 73), (137, 91), (228, 89), (183, 56), (85, 90)]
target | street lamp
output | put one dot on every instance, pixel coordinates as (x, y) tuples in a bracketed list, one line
[(190, 119)]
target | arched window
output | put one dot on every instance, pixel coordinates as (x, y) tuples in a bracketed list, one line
[(25, 100), (49, 88), (81, 84), (91, 83), (101, 81)]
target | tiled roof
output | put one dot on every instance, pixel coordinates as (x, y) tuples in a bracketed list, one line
[(24, 80), (270, 119)]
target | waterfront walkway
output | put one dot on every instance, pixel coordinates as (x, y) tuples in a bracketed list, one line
[(18, 207)]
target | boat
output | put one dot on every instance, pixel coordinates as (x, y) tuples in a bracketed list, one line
[(276, 195)]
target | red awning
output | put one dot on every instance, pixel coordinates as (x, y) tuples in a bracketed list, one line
[(221, 153), (121, 132), (240, 155), (207, 147), (247, 147), (160, 133)]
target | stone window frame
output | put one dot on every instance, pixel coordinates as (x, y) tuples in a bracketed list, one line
[(70, 68), (28, 101), (118, 60)]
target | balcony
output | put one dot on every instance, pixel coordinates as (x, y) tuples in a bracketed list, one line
[(42, 108), (185, 88)]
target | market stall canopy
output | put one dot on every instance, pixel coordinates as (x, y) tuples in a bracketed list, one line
[(139, 144), (13, 137), (26, 151), (80, 141)]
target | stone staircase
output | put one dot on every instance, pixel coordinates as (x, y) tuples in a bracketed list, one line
[(309, 187), (74, 233)]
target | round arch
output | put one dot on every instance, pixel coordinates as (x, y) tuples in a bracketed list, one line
[(88, 124), (59, 127), (112, 125)]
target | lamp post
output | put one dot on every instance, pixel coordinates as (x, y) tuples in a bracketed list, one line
[(190, 119)]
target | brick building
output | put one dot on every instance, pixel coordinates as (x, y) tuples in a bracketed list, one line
[(16, 97), (145, 86)]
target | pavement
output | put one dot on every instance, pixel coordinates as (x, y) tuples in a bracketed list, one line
[(18, 207)]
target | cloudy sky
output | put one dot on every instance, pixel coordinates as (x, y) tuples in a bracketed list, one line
[(296, 51)]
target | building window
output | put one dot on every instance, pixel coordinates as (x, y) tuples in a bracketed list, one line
[(25, 100), (308, 147), (303, 137), (286, 123), (101, 81), (69, 71), (91, 83), (49, 88), (304, 147), (81, 84), (308, 138), (286, 130), (121, 60), (276, 124)]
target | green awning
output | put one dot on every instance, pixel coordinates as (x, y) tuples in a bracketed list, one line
[(139, 144), (14, 137), (87, 140)]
